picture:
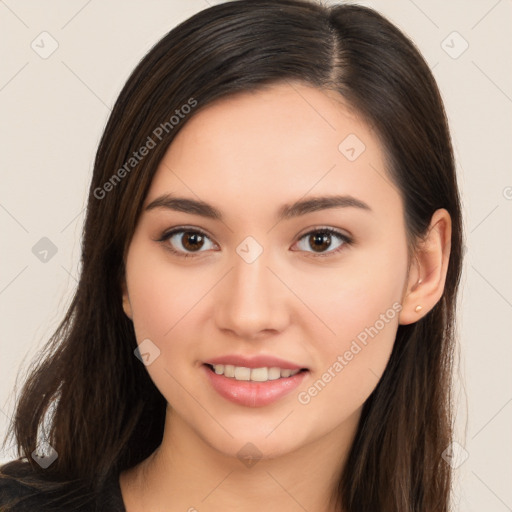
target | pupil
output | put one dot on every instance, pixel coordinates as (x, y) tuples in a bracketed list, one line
[(194, 238), (321, 240)]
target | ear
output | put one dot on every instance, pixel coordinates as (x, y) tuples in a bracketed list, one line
[(427, 275), (126, 300)]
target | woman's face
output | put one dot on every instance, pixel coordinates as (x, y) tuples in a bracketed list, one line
[(258, 282)]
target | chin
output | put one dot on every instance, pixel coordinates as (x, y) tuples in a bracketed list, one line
[(246, 444)]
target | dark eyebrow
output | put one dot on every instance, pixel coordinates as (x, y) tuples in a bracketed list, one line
[(300, 207), (314, 204)]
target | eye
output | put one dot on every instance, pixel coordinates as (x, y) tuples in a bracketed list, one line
[(189, 239), (321, 239), (193, 240)]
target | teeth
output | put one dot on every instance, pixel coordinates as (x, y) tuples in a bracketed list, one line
[(253, 374), (274, 373), (242, 373)]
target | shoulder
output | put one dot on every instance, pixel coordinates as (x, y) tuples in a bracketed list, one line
[(22, 490)]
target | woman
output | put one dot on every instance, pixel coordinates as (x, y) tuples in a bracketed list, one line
[(265, 313)]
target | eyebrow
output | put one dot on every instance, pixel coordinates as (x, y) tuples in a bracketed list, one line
[(287, 211)]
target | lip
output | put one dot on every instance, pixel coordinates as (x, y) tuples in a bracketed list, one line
[(260, 361), (249, 393)]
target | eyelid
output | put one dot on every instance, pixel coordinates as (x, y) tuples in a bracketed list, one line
[(336, 231)]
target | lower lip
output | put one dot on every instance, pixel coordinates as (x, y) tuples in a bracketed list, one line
[(250, 393)]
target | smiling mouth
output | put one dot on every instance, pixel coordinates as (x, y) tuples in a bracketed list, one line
[(263, 374)]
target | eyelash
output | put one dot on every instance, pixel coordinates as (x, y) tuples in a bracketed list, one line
[(168, 234)]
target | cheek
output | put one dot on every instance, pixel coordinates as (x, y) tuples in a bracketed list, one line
[(164, 299), (161, 294), (354, 296), (350, 363), (339, 389), (360, 304)]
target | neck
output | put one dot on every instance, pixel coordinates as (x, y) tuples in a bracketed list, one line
[(187, 474)]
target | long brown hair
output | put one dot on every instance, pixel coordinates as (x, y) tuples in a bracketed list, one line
[(107, 413)]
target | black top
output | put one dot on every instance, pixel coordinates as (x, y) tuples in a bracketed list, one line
[(108, 499)]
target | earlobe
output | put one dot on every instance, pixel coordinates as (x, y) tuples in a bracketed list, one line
[(127, 308), (428, 274)]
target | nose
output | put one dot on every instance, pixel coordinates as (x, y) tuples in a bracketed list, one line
[(252, 301)]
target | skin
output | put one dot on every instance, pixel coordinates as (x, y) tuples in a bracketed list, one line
[(248, 155)]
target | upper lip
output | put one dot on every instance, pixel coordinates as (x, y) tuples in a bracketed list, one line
[(260, 361)]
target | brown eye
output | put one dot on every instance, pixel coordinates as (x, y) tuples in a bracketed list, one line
[(185, 242), (320, 240), (192, 241)]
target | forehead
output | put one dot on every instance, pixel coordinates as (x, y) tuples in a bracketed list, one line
[(269, 147)]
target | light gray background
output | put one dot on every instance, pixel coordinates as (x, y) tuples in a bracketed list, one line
[(54, 109)]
